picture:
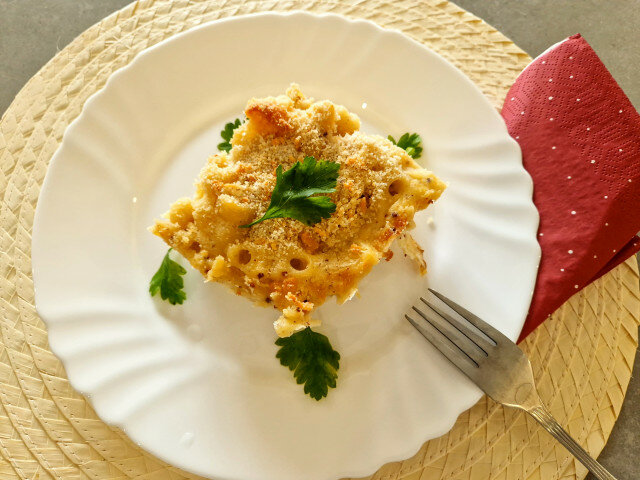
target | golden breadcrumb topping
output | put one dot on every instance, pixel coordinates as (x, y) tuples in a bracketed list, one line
[(283, 262)]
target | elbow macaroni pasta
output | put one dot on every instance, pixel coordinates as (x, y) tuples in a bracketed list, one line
[(281, 262)]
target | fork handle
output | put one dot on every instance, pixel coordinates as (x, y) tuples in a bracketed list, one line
[(550, 424)]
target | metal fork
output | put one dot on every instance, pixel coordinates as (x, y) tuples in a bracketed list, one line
[(495, 364)]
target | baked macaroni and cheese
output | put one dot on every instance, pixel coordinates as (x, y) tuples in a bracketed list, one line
[(290, 264)]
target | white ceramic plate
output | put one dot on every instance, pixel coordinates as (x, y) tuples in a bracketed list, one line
[(198, 384)]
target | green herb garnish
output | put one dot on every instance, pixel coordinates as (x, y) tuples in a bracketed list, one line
[(227, 134), (292, 195), (168, 281), (410, 143), (312, 359)]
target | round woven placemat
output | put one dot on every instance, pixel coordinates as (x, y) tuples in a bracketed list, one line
[(582, 356)]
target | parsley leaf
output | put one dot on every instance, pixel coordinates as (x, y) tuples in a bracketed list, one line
[(291, 197), (411, 143), (312, 359), (168, 280), (227, 134)]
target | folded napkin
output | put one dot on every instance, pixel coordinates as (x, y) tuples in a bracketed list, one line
[(580, 140)]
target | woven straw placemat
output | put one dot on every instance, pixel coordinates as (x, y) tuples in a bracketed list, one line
[(582, 357)]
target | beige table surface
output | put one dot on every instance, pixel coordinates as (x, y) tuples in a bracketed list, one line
[(33, 31)]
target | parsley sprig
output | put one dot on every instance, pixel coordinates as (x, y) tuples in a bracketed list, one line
[(410, 143), (227, 135), (292, 195), (312, 359), (168, 281)]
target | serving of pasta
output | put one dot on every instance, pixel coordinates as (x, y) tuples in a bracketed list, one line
[(286, 263)]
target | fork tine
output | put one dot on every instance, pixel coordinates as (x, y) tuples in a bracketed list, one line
[(446, 347), (464, 344), (462, 327), (476, 321)]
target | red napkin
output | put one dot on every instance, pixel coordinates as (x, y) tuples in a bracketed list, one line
[(580, 140)]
